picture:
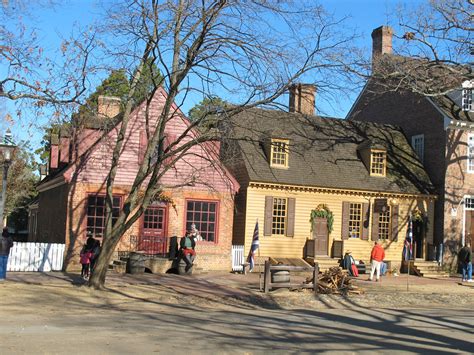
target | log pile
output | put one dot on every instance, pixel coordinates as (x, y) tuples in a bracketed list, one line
[(335, 281)]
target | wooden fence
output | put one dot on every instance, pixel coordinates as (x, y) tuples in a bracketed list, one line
[(267, 277), (36, 257), (238, 258)]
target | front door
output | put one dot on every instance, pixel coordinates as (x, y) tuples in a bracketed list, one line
[(469, 227), (153, 232), (320, 236), (418, 238)]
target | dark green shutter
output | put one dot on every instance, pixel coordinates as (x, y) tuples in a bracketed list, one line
[(346, 206), (290, 228), (267, 228), (375, 225), (365, 221), (394, 213)]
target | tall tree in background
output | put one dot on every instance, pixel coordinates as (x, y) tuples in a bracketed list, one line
[(21, 187)]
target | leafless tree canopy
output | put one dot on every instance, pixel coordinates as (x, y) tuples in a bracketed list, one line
[(434, 48), (250, 51)]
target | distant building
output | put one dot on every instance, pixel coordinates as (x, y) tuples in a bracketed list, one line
[(440, 130)]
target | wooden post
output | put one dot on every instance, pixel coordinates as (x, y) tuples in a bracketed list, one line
[(315, 278), (266, 277)]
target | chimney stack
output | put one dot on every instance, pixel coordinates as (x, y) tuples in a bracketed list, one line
[(381, 41), (53, 152), (302, 97), (108, 106)]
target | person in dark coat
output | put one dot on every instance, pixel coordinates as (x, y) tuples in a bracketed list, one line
[(6, 242), (465, 261), (95, 254), (186, 251)]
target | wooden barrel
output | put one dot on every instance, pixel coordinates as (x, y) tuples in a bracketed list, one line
[(182, 268), (280, 276), (136, 263)]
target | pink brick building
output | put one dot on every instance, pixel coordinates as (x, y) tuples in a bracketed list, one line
[(197, 188)]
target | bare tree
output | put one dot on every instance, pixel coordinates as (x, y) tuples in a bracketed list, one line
[(30, 75), (433, 49), (249, 50)]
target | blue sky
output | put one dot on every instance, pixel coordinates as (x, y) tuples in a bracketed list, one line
[(52, 24)]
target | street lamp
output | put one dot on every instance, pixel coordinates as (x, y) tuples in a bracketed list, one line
[(6, 149)]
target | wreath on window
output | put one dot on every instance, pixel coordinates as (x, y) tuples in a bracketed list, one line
[(322, 211)]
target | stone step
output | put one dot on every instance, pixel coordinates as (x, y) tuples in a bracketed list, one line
[(435, 275), (428, 269)]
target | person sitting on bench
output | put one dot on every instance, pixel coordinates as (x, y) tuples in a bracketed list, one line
[(186, 251)]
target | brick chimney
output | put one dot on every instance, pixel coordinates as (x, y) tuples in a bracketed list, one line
[(108, 106), (302, 98), (54, 152), (381, 41)]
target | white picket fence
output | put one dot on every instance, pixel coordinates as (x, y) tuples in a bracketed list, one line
[(36, 257), (238, 257)]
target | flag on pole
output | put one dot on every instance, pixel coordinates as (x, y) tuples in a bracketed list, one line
[(253, 248), (408, 246)]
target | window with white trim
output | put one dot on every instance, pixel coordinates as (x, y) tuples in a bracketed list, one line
[(469, 203), (467, 100), (355, 220), (418, 144), (470, 153), (384, 224), (378, 162), (279, 153), (279, 216)]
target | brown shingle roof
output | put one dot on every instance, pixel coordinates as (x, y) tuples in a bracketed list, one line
[(323, 152)]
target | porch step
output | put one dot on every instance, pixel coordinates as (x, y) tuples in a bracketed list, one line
[(429, 269)]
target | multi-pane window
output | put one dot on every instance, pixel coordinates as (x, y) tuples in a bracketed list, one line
[(355, 220), (384, 224), (469, 203), (153, 218), (279, 153), (470, 153), (418, 144), (279, 215), (203, 214), (96, 214), (467, 100), (377, 163)]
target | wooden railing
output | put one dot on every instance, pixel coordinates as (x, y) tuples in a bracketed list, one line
[(268, 284)]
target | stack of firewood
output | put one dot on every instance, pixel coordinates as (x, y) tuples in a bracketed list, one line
[(335, 281)]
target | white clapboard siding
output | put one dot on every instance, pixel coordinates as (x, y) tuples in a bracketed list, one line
[(36, 257), (237, 257)]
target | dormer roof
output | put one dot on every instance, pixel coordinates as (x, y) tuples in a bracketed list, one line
[(324, 152)]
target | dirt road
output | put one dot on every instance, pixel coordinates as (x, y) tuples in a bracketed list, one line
[(172, 317)]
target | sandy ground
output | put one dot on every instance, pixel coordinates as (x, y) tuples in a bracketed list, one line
[(224, 313)]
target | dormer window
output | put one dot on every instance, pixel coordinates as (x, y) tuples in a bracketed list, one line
[(467, 100), (279, 153), (378, 163)]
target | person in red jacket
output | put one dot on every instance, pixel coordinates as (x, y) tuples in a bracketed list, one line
[(376, 257)]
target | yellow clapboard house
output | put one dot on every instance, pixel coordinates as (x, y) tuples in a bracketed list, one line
[(322, 186)]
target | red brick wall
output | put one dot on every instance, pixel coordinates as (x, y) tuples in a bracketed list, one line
[(210, 256), (459, 182)]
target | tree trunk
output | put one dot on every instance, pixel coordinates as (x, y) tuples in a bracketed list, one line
[(97, 279)]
